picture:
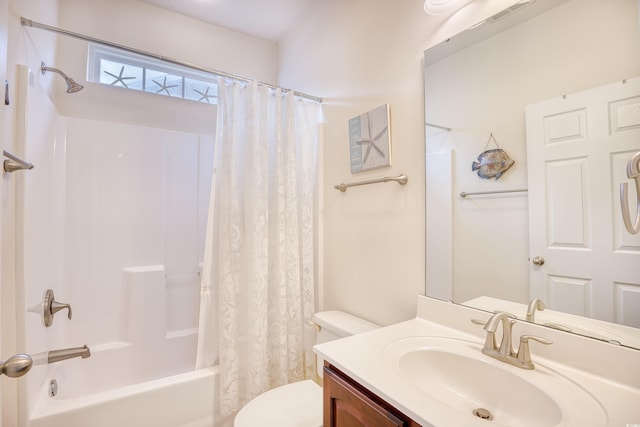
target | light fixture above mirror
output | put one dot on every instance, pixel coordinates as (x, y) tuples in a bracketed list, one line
[(443, 7)]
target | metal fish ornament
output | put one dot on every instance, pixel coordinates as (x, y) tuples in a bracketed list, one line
[(492, 163)]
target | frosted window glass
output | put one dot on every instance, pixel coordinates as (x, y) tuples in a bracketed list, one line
[(197, 90), (116, 67), (163, 83), (118, 74)]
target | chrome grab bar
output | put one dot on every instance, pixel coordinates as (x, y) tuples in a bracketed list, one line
[(633, 172)]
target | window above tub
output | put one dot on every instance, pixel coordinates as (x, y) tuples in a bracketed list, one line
[(117, 67)]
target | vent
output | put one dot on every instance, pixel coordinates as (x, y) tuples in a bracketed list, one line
[(508, 11)]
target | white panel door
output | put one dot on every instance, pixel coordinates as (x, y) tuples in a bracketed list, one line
[(577, 150)]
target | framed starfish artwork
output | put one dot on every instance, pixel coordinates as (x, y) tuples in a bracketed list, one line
[(369, 140)]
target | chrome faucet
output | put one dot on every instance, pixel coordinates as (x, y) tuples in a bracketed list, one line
[(534, 304), (505, 352), (490, 346), (68, 353)]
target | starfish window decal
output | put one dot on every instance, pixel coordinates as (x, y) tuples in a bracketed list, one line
[(163, 86), (204, 95), (119, 78), (114, 67)]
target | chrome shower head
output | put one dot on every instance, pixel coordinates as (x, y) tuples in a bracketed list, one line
[(72, 85)]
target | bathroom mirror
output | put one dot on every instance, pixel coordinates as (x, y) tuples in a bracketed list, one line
[(478, 85)]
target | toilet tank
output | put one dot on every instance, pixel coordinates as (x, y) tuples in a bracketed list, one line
[(336, 324)]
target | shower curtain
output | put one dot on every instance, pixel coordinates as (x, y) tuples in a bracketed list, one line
[(258, 273)]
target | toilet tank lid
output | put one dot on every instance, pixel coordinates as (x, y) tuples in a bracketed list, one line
[(342, 323)]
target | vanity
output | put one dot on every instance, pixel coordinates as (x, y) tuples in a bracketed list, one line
[(349, 403), (432, 371)]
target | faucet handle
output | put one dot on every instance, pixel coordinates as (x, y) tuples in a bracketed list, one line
[(478, 322), (50, 307), (57, 306), (524, 353)]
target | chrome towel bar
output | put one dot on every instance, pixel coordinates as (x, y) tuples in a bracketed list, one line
[(400, 179), (464, 194)]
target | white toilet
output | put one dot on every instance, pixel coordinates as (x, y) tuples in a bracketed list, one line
[(299, 404)]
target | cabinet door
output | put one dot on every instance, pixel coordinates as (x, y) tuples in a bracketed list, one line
[(348, 406)]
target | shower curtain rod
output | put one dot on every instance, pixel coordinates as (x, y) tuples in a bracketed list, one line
[(29, 23)]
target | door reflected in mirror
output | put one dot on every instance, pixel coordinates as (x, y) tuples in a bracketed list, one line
[(534, 78)]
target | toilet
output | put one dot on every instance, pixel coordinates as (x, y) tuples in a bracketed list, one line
[(299, 404)]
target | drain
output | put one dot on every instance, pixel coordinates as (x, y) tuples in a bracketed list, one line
[(53, 388), (483, 413)]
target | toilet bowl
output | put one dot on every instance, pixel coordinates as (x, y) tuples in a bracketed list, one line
[(299, 404)]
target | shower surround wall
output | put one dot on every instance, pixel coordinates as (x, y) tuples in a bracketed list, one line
[(149, 281), (114, 217)]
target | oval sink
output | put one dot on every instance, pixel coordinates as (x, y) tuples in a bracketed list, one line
[(480, 388)]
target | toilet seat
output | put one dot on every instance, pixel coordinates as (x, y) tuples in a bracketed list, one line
[(297, 404)]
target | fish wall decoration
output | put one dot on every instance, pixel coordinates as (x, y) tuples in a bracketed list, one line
[(492, 163)]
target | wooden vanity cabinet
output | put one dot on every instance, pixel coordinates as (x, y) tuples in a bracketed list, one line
[(348, 404)]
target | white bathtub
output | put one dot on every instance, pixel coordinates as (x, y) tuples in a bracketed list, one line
[(184, 400)]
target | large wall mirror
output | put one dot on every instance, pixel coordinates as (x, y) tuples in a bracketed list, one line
[(554, 85)]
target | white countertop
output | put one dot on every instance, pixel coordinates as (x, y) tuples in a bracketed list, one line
[(610, 373), (606, 331)]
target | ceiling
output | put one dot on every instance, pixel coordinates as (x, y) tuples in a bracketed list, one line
[(267, 19)]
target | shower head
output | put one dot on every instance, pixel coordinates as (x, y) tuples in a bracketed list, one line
[(72, 86)]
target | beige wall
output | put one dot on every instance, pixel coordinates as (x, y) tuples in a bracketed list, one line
[(4, 119), (144, 27), (360, 54)]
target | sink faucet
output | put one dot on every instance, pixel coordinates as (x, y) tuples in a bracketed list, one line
[(490, 345), (506, 353), (534, 304)]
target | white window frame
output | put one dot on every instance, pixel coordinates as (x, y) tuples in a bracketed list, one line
[(97, 52)]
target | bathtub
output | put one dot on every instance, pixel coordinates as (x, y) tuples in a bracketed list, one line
[(183, 400)]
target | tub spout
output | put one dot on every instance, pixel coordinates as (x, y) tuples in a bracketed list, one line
[(68, 353)]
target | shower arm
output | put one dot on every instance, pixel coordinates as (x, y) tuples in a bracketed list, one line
[(72, 85)]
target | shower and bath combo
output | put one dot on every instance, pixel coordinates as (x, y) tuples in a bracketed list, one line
[(72, 85)]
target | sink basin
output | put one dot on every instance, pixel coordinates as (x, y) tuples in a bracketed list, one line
[(478, 388)]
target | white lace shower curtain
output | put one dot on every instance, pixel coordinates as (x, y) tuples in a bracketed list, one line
[(258, 273)]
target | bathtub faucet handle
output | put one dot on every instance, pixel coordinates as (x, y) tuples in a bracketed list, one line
[(57, 306), (51, 307)]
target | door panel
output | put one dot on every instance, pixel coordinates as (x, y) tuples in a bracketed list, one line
[(566, 194), (577, 148)]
